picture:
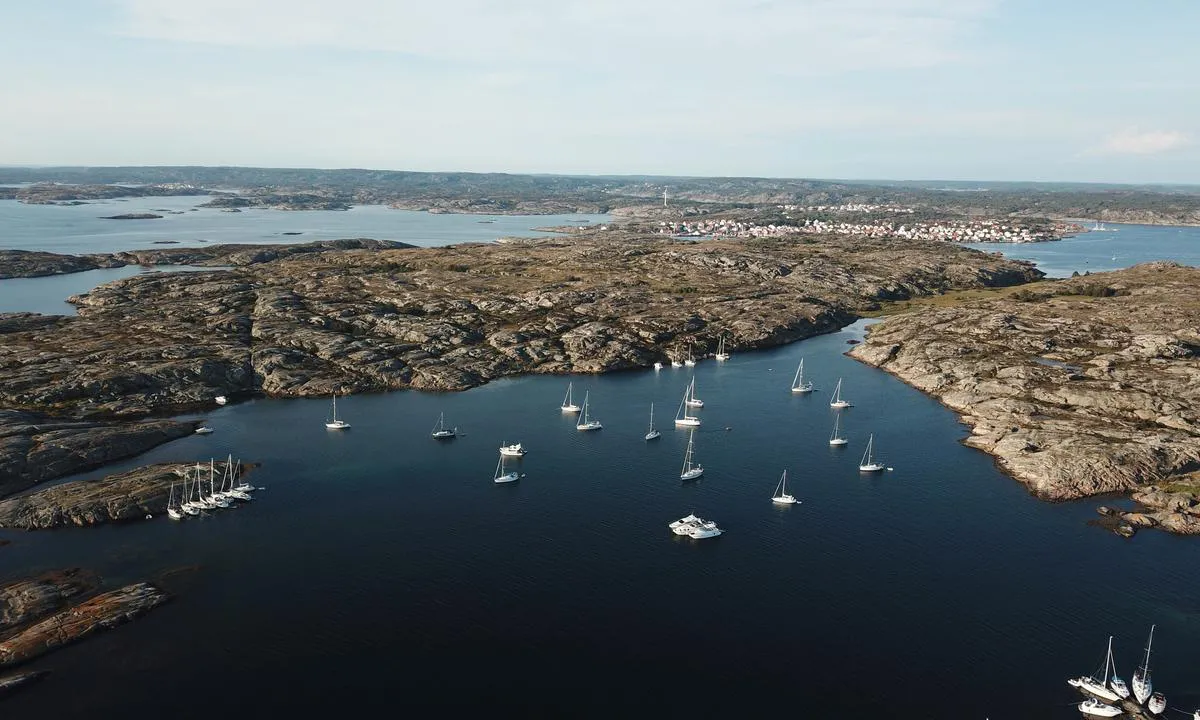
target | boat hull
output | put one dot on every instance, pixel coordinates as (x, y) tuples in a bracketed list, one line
[(571, 408), (691, 474), (838, 441), (653, 435), (688, 422), (507, 478), (593, 425), (784, 500), (1098, 709), (839, 404), (337, 425), (871, 468), (802, 390), (1157, 703)]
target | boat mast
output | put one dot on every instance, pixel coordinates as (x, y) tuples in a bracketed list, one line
[(651, 428)]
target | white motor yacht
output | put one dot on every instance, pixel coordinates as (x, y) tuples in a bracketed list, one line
[(514, 450), (203, 430), (695, 527)]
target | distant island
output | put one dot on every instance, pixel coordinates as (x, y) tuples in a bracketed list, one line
[(508, 194), (132, 216)]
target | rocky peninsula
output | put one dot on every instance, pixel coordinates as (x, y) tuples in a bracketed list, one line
[(1081, 387), (292, 321)]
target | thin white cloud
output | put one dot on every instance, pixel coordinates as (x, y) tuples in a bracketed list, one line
[(1133, 141), (614, 36)]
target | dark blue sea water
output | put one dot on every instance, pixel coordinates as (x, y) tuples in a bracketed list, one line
[(381, 571)]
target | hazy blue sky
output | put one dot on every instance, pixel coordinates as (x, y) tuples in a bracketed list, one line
[(1096, 90)]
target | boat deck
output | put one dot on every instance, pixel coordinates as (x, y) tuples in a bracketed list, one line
[(1129, 707)]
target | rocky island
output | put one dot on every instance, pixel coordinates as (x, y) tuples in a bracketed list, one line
[(314, 319), (1082, 387)]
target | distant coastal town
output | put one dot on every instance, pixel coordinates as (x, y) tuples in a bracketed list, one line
[(959, 231)]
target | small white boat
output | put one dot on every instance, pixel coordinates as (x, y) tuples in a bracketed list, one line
[(695, 527), (1157, 703), (568, 403), (721, 355), (503, 477), (440, 431), (243, 486), (204, 430), (1115, 682), (689, 361), (692, 400), (514, 450), (836, 401), (681, 416), (690, 471), (652, 434), (835, 439), (333, 423), (658, 366), (781, 494), (675, 363), (798, 384), (868, 462), (586, 422), (1095, 708), (220, 399), (1142, 687)]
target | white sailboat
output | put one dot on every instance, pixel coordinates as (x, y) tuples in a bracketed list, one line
[(173, 511), (1142, 687), (508, 477), (835, 438), (242, 486), (586, 422), (1115, 682), (218, 498), (1097, 686), (1094, 707), (781, 494), (652, 434), (188, 506), (440, 431), (657, 366), (204, 430), (568, 403), (681, 416), (333, 423), (675, 363), (692, 400), (220, 399), (868, 462), (514, 450), (689, 360), (690, 471), (836, 401), (721, 355), (798, 384)]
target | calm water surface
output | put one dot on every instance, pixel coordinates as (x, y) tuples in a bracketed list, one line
[(1123, 246), (79, 229), (382, 569)]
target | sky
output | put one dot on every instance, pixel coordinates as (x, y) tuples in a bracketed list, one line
[(1070, 90)]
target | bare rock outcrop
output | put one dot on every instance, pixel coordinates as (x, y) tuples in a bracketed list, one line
[(103, 612), (29, 599), (123, 497), (1079, 387)]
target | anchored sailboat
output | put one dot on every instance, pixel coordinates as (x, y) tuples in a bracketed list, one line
[(1097, 686), (721, 355), (692, 400), (1142, 687), (652, 434), (173, 511), (690, 471), (333, 423), (836, 401), (568, 403), (868, 462), (836, 439), (781, 494), (500, 477), (798, 384), (440, 431), (586, 423), (681, 416)]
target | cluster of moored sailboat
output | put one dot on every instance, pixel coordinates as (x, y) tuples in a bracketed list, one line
[(1108, 695), (205, 492)]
